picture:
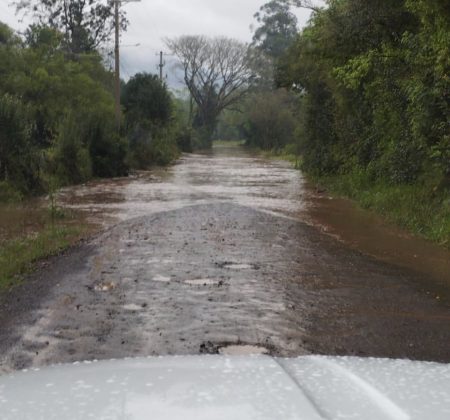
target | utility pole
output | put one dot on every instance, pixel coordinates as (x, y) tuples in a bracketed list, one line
[(118, 111), (161, 66), (117, 64)]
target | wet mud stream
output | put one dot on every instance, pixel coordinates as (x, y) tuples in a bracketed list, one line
[(229, 251)]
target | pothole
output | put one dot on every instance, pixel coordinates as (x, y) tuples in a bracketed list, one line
[(238, 266), (133, 307), (161, 279), (242, 350), (204, 282), (105, 287)]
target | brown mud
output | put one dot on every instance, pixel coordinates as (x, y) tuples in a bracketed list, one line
[(228, 249)]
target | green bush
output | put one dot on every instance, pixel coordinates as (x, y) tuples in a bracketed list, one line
[(147, 150), (69, 159), (17, 155), (269, 122), (374, 109), (107, 149), (374, 81), (164, 149), (150, 123), (184, 139), (201, 138), (9, 193)]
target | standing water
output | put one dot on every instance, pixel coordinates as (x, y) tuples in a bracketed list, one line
[(233, 175)]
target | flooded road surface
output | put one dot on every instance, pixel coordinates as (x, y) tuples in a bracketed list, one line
[(224, 176), (229, 251)]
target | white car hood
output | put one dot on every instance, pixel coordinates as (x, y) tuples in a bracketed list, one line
[(230, 388)]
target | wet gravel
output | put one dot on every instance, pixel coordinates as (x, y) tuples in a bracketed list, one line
[(202, 277)]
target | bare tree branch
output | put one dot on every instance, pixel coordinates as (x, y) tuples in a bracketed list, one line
[(216, 72), (315, 6)]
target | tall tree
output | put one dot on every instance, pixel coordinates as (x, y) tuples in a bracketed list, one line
[(86, 24), (277, 30), (216, 72)]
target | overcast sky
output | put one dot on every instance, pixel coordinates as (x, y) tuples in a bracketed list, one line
[(153, 20)]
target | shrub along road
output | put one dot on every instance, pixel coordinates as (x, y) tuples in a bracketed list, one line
[(210, 254)]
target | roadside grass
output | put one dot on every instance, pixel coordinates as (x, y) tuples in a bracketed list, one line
[(19, 256), (417, 208), (287, 153), (283, 155)]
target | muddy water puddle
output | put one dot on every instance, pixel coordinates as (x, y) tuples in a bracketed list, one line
[(232, 175), (369, 233)]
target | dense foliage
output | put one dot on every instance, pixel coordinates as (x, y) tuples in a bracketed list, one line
[(150, 121), (269, 122), (57, 121), (269, 119), (278, 29), (55, 114), (374, 86), (374, 77)]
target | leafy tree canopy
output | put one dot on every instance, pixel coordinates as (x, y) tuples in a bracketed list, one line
[(85, 24), (147, 100), (277, 30)]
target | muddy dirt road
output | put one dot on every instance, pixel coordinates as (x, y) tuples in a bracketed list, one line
[(224, 249)]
